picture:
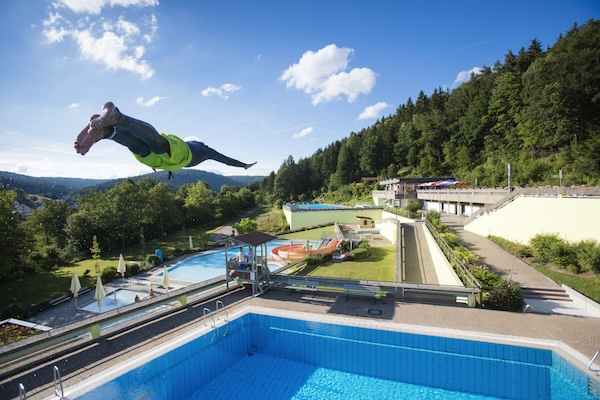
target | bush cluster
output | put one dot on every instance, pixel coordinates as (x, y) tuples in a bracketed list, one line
[(362, 251), (318, 259), (574, 257)]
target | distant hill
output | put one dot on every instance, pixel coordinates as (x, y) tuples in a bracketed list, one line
[(71, 187), (181, 177), (49, 187)]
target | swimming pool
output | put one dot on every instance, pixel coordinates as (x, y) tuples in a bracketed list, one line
[(207, 266), (258, 356), (113, 300), (316, 206)]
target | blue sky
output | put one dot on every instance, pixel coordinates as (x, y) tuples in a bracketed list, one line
[(258, 81)]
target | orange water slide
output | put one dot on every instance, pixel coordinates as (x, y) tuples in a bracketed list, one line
[(297, 252)]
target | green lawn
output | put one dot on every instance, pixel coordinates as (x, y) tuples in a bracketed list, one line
[(379, 266), (590, 288)]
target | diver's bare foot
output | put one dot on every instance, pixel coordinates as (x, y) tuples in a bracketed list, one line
[(81, 142), (88, 136), (110, 116), (249, 165)]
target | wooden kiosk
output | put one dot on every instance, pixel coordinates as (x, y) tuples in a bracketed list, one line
[(255, 271)]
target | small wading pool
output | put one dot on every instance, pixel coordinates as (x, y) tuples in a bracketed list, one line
[(113, 300), (258, 356), (211, 265)]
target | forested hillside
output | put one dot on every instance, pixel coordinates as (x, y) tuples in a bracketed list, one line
[(538, 109)]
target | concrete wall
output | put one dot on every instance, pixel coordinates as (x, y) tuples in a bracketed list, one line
[(573, 218), (444, 271), (388, 225)]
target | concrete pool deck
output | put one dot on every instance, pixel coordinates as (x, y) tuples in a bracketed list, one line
[(580, 334)]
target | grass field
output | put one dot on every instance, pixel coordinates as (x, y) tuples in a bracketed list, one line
[(379, 266)]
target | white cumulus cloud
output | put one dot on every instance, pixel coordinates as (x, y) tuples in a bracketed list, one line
[(116, 44), (149, 102), (464, 76), (304, 132), (223, 91), (373, 111), (323, 75)]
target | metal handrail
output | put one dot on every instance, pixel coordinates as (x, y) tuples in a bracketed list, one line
[(597, 371), (223, 308), (467, 277), (22, 394), (58, 380), (209, 313)]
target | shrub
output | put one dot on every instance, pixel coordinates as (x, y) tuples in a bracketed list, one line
[(363, 245), (318, 259), (109, 274), (550, 248), (434, 219), (451, 239), (588, 255), (360, 253), (512, 247), (412, 209), (152, 260), (486, 277), (465, 255), (133, 269), (506, 296)]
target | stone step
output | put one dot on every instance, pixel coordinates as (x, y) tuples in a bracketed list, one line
[(545, 293)]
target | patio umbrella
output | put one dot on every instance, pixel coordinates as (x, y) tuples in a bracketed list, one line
[(121, 268), (165, 280), (75, 286), (100, 293)]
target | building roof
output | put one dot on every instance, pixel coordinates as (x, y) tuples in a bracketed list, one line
[(254, 238), (414, 180)]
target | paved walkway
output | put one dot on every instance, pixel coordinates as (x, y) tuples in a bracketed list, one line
[(496, 258), (508, 266)]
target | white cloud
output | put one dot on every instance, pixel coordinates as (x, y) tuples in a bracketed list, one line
[(373, 111), (464, 76), (95, 6), (118, 45), (149, 102), (73, 105), (322, 74), (223, 91), (304, 132)]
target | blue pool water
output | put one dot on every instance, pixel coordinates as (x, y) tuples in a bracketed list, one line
[(211, 265), (318, 206), (116, 299), (265, 357)]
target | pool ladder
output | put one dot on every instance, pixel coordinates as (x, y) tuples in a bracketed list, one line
[(59, 394), (207, 311), (591, 364)]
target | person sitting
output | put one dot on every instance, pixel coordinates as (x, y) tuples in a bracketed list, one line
[(158, 151), (137, 298), (241, 258)]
